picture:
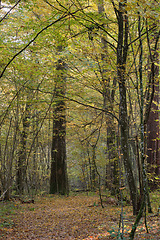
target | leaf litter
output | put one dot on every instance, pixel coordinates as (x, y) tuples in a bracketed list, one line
[(74, 217)]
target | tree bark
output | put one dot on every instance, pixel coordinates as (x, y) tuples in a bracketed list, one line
[(58, 178), (153, 141), (108, 102), (122, 48), (22, 166)]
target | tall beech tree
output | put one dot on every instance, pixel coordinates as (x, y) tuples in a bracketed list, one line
[(108, 92), (58, 177)]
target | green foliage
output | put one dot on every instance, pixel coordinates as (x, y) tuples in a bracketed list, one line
[(31, 209), (6, 210), (155, 199)]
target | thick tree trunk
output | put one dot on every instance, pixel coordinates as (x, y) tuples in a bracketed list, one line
[(58, 178), (108, 102)]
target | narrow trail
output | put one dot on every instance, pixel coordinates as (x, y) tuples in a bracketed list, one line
[(69, 218)]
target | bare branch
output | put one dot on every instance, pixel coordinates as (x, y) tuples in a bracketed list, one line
[(42, 30), (9, 11)]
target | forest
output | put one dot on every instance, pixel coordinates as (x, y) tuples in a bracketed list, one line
[(79, 110)]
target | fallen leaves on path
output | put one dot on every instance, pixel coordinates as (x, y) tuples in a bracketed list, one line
[(73, 218)]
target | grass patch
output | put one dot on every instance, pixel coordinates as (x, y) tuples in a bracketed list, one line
[(155, 200), (6, 210)]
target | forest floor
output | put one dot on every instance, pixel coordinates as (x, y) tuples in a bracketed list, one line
[(73, 217)]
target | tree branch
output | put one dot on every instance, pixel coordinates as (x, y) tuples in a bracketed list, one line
[(42, 30), (9, 11)]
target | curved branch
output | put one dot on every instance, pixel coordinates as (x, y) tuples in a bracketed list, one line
[(9, 11), (42, 30), (90, 106), (80, 103)]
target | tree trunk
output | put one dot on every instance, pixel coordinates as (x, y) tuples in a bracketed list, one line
[(108, 102), (22, 167), (58, 178), (153, 142), (122, 48)]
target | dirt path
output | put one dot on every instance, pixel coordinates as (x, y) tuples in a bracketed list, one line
[(71, 218)]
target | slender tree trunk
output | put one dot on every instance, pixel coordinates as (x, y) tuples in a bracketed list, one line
[(2, 180), (7, 163), (22, 167), (122, 48), (90, 168)]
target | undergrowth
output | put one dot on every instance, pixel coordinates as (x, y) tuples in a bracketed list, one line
[(6, 210)]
